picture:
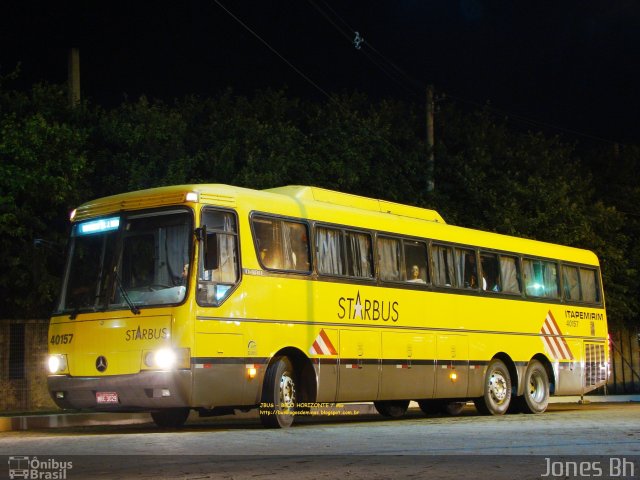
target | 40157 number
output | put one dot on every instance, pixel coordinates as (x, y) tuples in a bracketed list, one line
[(61, 339)]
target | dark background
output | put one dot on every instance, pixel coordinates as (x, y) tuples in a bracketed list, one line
[(569, 66)]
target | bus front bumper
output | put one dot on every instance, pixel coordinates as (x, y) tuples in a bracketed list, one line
[(147, 390)]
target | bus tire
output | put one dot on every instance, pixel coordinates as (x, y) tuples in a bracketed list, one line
[(279, 396), (536, 389), (170, 417), (497, 390), (392, 408)]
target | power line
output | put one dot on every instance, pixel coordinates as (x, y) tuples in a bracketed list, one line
[(332, 99), (382, 62), (264, 42)]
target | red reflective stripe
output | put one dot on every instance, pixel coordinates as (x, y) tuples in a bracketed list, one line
[(327, 342)]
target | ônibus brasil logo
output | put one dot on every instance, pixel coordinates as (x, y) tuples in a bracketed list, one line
[(34, 468)]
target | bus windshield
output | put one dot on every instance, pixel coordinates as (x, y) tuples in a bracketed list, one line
[(128, 261)]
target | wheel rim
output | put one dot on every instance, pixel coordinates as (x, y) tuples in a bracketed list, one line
[(287, 391), (498, 387), (536, 387)]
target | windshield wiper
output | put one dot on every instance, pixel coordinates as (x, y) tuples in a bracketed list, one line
[(134, 309)]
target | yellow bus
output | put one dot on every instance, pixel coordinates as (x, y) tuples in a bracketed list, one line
[(215, 298)]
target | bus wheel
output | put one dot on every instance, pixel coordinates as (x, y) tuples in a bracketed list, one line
[(536, 389), (392, 408), (279, 396), (497, 390), (170, 417)]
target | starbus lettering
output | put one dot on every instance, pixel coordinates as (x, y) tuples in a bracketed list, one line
[(367, 309), (147, 334)]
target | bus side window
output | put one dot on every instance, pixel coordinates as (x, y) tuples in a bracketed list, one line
[(389, 259), (215, 284), (443, 267), (281, 244), (510, 273), (571, 282), (490, 272), (466, 268), (268, 240), (329, 251), (359, 255), (296, 246), (589, 283), (541, 278), (415, 254)]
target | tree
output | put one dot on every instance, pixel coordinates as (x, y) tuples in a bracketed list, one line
[(136, 145), (42, 158), (531, 185)]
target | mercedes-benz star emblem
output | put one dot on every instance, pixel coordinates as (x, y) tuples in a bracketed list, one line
[(101, 363)]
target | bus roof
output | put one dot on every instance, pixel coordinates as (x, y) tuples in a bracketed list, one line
[(333, 207), (355, 201)]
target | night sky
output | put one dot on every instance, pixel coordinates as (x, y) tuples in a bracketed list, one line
[(567, 66)]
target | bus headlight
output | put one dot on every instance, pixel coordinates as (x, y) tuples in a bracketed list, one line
[(57, 363), (167, 359)]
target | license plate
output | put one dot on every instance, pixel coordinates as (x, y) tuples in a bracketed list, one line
[(107, 397)]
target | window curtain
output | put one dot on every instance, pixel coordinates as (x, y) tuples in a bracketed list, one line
[(550, 276), (571, 283), (329, 251), (531, 286), (290, 259), (444, 267), (588, 281), (177, 254), (228, 270), (389, 255), (360, 255), (465, 278), (509, 270)]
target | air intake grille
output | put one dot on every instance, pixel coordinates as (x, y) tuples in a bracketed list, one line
[(595, 365)]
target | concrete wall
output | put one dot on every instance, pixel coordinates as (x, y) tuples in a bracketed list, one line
[(23, 374)]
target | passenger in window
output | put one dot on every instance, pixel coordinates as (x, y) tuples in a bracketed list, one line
[(184, 276), (488, 282), (414, 277), (471, 272)]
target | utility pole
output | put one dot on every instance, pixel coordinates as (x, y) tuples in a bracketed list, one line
[(73, 77), (430, 141)]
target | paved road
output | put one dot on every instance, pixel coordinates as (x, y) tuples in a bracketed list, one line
[(363, 446)]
